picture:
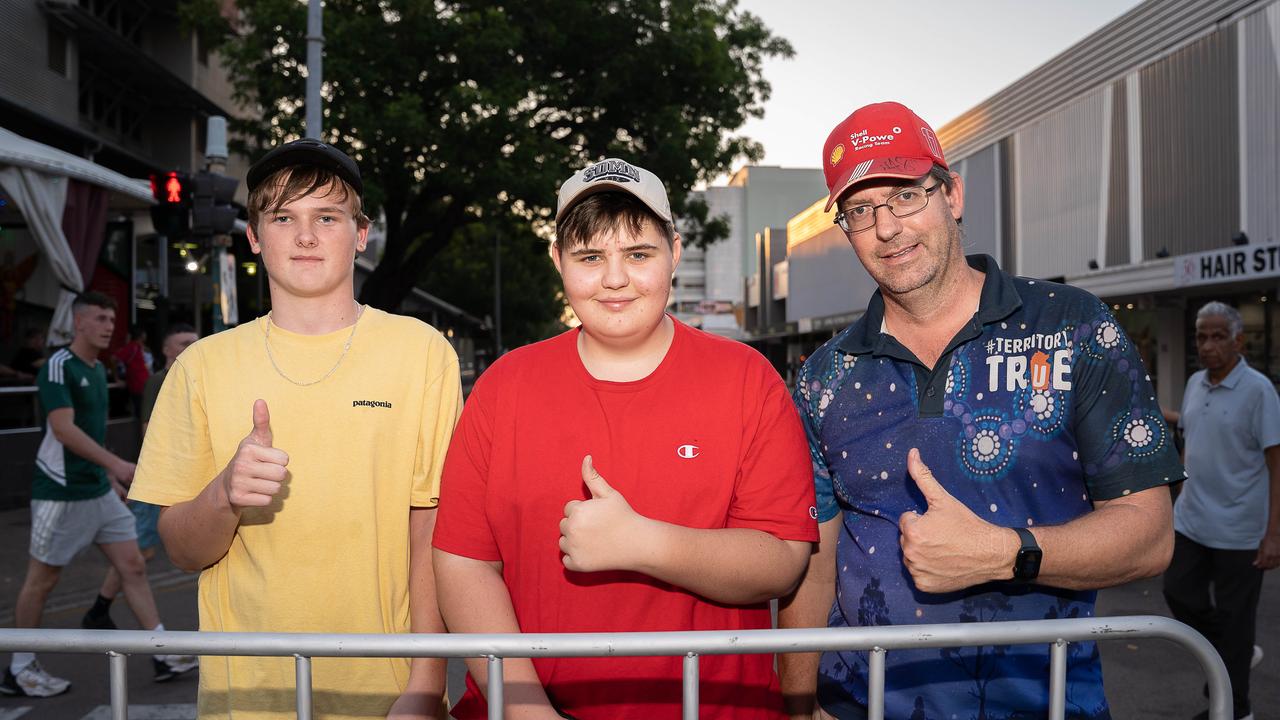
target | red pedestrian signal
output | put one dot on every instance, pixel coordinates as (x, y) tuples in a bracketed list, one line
[(173, 189), (171, 215), (170, 188)]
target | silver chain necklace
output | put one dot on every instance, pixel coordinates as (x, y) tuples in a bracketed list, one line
[(266, 340)]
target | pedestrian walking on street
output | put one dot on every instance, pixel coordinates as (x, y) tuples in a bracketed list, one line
[(145, 515), (72, 499), (1227, 517), (133, 363)]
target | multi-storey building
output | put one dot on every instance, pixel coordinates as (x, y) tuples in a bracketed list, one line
[(95, 96), (122, 87), (709, 288)]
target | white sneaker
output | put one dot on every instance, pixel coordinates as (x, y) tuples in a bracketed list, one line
[(1257, 657), (33, 681), (168, 667)]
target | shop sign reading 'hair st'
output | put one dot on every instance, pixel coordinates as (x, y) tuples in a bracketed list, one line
[(1228, 265)]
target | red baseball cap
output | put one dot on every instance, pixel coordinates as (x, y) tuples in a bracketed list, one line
[(880, 140)]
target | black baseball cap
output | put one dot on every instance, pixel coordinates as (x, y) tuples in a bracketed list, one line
[(308, 152)]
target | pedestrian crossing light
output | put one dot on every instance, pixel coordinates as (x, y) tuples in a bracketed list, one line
[(171, 188), (171, 214)]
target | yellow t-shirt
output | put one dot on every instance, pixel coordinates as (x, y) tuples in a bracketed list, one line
[(331, 554)]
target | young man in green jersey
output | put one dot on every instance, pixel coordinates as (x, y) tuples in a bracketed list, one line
[(72, 503)]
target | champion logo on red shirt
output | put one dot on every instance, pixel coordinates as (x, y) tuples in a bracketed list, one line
[(688, 452)]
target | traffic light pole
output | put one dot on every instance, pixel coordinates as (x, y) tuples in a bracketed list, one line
[(219, 244), (216, 163), (200, 207), (171, 217)]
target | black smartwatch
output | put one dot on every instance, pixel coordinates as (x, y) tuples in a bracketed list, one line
[(1027, 565)]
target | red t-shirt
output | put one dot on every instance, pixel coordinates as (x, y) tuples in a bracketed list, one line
[(710, 439), (136, 371)]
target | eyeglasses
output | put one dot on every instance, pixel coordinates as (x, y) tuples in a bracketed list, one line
[(903, 203)]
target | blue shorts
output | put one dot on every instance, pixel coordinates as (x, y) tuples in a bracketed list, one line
[(146, 515)]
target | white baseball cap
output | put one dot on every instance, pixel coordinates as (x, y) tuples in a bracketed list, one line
[(613, 174)]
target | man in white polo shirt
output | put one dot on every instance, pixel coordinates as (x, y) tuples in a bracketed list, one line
[(1227, 519)]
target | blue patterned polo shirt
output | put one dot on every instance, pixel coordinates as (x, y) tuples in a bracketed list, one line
[(1038, 407)]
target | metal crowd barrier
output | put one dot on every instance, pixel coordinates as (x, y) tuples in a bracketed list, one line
[(118, 644)]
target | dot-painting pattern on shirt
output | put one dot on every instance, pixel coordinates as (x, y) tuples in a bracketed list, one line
[(1045, 409)]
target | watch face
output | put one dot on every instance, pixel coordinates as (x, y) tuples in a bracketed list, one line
[(1028, 566)]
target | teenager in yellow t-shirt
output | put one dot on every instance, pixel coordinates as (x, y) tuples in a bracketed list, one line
[(298, 458)]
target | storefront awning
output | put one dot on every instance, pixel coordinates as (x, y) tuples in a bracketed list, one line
[(1149, 276)]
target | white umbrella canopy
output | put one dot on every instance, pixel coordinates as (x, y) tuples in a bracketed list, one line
[(19, 151), (36, 177)]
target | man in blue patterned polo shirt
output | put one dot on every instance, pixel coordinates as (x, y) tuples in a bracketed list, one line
[(985, 448)]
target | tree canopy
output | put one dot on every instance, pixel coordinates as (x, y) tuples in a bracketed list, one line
[(463, 113)]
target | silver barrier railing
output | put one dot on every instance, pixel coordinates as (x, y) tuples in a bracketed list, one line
[(118, 644)]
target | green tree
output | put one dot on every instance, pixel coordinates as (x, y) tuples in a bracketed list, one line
[(463, 113), (463, 273)]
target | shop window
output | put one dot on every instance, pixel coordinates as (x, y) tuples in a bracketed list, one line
[(110, 104), (1259, 336)]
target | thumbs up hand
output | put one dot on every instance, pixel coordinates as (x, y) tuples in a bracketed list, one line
[(261, 432), (949, 548), (601, 533), (253, 476)]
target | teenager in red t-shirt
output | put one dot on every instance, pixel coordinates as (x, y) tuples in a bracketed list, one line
[(632, 474), (133, 357)]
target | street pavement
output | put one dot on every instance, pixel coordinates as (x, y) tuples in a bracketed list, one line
[(1145, 679)]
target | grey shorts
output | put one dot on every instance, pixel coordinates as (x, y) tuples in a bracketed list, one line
[(62, 528)]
